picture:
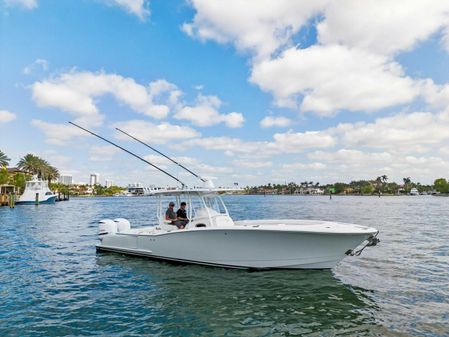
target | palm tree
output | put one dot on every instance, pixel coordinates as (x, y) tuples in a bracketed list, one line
[(30, 163), (50, 173), (407, 181), (4, 160), (35, 165)]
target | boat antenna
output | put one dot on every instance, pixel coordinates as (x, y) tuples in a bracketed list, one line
[(127, 151), (159, 152)]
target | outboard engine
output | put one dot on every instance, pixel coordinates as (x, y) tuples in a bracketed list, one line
[(107, 226), (122, 224)]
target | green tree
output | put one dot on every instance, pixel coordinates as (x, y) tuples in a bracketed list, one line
[(4, 160), (367, 189), (441, 185), (3, 176), (20, 181)]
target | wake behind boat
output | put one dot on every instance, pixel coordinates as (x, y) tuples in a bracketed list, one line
[(212, 237)]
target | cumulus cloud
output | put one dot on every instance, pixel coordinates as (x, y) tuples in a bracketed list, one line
[(76, 92), (6, 116), (27, 4), (269, 121), (252, 164), (140, 8), (205, 113), (403, 131), (154, 133), (260, 27), (325, 79), (102, 152), (304, 166), (299, 141), (390, 26), (289, 142), (58, 134), (352, 64)]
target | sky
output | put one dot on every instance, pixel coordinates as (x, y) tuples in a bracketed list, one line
[(238, 91)]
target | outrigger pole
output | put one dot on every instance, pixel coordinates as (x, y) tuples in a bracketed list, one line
[(127, 151), (159, 152)]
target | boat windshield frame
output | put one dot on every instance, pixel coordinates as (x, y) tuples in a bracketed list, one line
[(209, 200)]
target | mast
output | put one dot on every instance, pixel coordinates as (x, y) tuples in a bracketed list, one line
[(159, 152), (127, 151)]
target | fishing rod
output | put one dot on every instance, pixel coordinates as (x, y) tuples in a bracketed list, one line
[(127, 151), (159, 152)]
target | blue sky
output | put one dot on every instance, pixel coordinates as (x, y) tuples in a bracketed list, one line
[(241, 91)]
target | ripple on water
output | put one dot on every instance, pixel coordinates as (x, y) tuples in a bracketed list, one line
[(53, 283)]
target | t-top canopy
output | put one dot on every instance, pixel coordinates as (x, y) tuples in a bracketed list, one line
[(194, 191)]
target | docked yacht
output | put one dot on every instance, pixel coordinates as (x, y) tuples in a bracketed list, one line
[(213, 238), (36, 192)]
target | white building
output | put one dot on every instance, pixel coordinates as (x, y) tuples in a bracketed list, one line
[(66, 179), (108, 183), (94, 179)]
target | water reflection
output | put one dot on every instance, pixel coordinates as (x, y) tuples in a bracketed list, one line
[(196, 301)]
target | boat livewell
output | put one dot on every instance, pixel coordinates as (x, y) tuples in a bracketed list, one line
[(213, 238)]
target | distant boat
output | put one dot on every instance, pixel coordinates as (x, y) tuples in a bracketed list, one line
[(36, 192), (414, 191)]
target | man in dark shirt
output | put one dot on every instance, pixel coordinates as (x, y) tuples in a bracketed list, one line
[(182, 216)]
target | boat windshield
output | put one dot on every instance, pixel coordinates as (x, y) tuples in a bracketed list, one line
[(216, 203)]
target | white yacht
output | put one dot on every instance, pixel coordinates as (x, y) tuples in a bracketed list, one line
[(213, 238), (36, 192), (414, 191)]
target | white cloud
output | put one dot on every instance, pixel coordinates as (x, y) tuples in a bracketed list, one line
[(6, 116), (303, 166), (154, 133), (226, 144), (405, 132), (140, 8), (58, 134), (38, 63), (27, 4), (258, 26), (332, 78), (76, 92), (350, 67), (205, 113), (102, 152), (270, 121), (382, 27), (252, 164), (291, 142)]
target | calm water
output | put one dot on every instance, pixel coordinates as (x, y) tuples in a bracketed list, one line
[(53, 283)]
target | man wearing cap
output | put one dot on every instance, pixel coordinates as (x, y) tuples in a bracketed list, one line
[(170, 213)]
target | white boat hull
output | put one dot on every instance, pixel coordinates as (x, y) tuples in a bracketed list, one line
[(240, 246)]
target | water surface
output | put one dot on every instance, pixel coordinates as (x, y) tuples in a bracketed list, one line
[(53, 283)]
